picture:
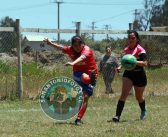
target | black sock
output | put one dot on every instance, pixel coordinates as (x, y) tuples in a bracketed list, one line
[(142, 106), (120, 107)]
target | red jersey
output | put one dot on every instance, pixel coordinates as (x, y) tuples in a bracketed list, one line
[(87, 65)]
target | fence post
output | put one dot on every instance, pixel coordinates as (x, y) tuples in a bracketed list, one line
[(78, 28), (131, 26), (18, 40), (36, 59)]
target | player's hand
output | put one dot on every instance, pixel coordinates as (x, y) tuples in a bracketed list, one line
[(93, 78), (118, 69), (69, 64), (47, 41)]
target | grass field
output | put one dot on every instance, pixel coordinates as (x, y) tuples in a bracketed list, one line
[(35, 77), (25, 119)]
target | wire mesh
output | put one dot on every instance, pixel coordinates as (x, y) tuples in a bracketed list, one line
[(41, 63), (8, 65)]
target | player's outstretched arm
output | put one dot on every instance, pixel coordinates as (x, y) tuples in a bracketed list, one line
[(55, 45)]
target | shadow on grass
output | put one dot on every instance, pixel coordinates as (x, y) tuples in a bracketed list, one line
[(63, 123), (66, 123), (123, 121)]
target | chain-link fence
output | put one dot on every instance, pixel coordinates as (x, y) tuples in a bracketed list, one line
[(41, 66), (8, 63), (157, 70), (50, 63), (41, 63)]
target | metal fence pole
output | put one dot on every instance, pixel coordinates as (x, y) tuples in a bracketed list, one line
[(78, 28), (20, 81), (131, 27)]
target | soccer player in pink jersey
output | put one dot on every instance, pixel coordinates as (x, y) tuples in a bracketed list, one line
[(134, 78), (85, 71)]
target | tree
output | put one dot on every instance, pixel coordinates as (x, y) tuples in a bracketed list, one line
[(137, 25), (8, 39), (161, 18), (165, 13), (151, 8), (7, 22), (136, 22)]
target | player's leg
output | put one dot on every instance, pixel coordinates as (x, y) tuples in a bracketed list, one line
[(82, 109), (126, 87), (111, 78), (87, 92), (108, 81), (140, 98)]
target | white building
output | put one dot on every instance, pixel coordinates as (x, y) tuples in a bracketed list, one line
[(36, 42)]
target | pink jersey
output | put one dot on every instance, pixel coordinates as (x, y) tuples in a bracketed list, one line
[(87, 65), (135, 51)]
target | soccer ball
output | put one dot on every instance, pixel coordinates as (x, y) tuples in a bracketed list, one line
[(128, 62)]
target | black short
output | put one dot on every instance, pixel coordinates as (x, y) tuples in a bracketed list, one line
[(137, 77)]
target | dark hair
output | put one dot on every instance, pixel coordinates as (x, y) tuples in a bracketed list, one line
[(77, 39), (136, 35), (108, 47)]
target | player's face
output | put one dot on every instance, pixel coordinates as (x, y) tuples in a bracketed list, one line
[(77, 46), (132, 40), (108, 50)]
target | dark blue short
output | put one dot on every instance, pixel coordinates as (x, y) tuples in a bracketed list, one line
[(85, 88)]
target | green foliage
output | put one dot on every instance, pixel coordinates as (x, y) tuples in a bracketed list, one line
[(116, 44), (149, 16), (156, 47), (31, 69), (7, 22), (161, 18), (7, 68)]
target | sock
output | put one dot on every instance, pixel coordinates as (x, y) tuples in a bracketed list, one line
[(120, 107), (142, 106), (82, 112)]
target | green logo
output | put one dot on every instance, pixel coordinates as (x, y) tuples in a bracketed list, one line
[(61, 98)]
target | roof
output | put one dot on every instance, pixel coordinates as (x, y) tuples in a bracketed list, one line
[(36, 38)]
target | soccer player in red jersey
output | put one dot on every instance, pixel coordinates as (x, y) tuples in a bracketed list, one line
[(85, 71)]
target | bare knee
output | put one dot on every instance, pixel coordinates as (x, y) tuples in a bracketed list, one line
[(123, 96), (139, 94), (86, 98), (140, 99)]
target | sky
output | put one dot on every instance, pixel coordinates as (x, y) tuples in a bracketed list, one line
[(43, 13)]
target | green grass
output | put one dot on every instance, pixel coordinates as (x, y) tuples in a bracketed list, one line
[(35, 77), (30, 121), (157, 80)]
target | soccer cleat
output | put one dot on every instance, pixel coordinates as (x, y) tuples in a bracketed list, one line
[(78, 122), (143, 115), (115, 119)]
